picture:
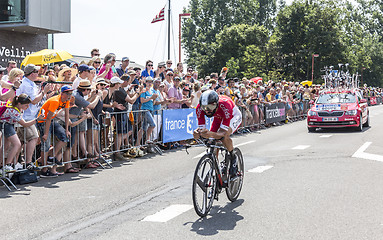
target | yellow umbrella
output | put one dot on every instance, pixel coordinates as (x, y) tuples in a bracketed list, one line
[(307, 83), (46, 56)]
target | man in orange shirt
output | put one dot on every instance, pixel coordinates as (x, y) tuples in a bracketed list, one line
[(47, 127)]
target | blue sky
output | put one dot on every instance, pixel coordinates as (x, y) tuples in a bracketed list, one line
[(120, 26)]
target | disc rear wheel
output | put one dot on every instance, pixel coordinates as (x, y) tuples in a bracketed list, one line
[(204, 186)]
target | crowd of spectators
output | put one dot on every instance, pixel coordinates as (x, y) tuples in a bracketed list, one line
[(80, 102)]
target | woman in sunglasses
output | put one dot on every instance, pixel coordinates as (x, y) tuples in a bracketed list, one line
[(148, 69), (227, 118)]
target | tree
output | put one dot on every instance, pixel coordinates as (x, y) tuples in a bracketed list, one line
[(208, 18), (304, 28)]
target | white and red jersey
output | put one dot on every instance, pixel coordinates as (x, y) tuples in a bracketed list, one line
[(222, 116)]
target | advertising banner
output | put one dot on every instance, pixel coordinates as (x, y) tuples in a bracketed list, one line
[(179, 124), (275, 113), (373, 101)]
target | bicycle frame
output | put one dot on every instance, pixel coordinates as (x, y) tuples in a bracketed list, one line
[(212, 154)]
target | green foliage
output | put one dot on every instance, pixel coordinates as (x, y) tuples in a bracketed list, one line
[(273, 40)]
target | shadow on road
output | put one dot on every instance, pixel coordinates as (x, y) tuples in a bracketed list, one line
[(338, 130), (225, 218)]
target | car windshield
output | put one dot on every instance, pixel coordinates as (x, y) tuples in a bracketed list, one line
[(336, 98)]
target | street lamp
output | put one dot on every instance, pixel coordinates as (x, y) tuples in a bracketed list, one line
[(182, 15), (312, 71)]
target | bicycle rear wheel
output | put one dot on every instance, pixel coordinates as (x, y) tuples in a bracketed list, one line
[(204, 186), (234, 185)]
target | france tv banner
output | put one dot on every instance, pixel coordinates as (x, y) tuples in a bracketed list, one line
[(179, 124)]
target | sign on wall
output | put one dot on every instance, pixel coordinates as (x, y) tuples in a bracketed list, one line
[(179, 124)]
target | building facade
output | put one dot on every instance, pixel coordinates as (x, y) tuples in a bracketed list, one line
[(26, 26)]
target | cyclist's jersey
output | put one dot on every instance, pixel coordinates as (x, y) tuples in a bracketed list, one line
[(222, 117)]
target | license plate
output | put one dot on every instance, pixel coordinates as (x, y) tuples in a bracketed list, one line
[(333, 119)]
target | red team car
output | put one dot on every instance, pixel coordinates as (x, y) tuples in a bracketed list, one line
[(335, 109)]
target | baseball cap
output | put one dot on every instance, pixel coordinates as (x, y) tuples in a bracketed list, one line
[(83, 68), (2, 68), (169, 72), (116, 80), (124, 59), (157, 80), (161, 64), (66, 88), (30, 68), (149, 78)]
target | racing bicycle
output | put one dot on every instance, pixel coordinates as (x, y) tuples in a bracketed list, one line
[(211, 176)]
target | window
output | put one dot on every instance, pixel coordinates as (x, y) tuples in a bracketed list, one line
[(12, 11)]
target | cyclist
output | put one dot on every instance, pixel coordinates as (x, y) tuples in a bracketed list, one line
[(227, 119)]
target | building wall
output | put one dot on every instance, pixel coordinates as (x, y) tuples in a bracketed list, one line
[(15, 46)]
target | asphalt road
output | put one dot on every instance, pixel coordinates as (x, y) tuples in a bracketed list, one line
[(311, 188)]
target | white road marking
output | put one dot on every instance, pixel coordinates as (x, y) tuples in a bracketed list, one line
[(325, 136), (301, 147), (168, 213), (260, 169), (238, 145), (200, 155), (361, 154), (242, 144)]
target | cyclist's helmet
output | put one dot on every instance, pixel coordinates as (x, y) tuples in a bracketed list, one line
[(209, 102)]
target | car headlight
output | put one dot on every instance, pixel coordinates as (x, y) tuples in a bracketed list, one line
[(312, 113), (351, 112)]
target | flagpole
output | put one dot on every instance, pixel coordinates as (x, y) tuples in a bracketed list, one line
[(169, 32)]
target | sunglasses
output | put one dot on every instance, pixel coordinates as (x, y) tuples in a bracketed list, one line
[(169, 63), (35, 71), (96, 54), (150, 65), (97, 62), (170, 75), (101, 84), (209, 107)]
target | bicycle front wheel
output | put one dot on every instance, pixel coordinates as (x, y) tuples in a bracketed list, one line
[(204, 186), (234, 185)]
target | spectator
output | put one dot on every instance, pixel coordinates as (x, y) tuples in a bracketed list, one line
[(95, 52), (73, 65), (148, 70), (157, 105), (160, 72), (83, 74), (14, 75), (196, 95), (186, 97), (96, 63), (121, 101), (229, 90), (37, 96), (180, 70), (175, 94), (147, 99), (10, 66), (106, 71), (93, 124), (92, 75), (12, 115), (47, 126), (169, 64), (67, 74), (220, 88), (56, 68), (84, 88), (168, 80), (123, 68)]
